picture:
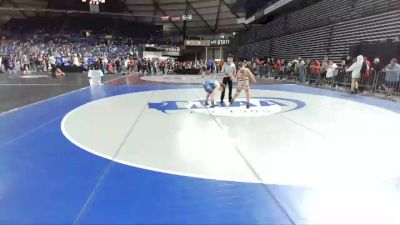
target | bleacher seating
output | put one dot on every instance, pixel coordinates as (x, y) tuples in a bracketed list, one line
[(328, 27), (318, 14), (372, 28)]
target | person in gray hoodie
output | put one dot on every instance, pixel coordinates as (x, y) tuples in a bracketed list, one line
[(302, 71), (355, 70)]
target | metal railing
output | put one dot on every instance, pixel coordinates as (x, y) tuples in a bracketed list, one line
[(371, 82)]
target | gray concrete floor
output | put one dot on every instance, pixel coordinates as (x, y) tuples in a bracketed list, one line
[(20, 90)]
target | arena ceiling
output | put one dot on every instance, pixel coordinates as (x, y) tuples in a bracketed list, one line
[(211, 16), (208, 16)]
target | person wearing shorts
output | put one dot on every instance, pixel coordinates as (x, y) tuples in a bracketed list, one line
[(211, 87), (356, 73), (243, 76)]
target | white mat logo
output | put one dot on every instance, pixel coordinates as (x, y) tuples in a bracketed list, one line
[(258, 107)]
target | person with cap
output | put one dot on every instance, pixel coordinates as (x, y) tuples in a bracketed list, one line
[(228, 70)]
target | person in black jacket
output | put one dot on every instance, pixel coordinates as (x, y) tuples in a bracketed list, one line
[(228, 70), (118, 65), (377, 75), (6, 63)]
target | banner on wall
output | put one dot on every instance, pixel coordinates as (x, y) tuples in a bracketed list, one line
[(165, 18), (219, 42), (175, 18), (198, 43), (187, 17)]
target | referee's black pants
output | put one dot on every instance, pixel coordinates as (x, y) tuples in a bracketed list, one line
[(227, 81)]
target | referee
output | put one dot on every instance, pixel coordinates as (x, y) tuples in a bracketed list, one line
[(229, 69)]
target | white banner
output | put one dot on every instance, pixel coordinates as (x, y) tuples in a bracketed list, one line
[(175, 18), (197, 42), (165, 18), (219, 42), (187, 17)]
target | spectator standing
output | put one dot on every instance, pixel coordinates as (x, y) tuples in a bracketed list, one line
[(118, 65), (6, 63), (302, 71), (365, 72), (377, 74), (315, 69), (154, 65), (277, 67), (323, 70), (25, 64), (1, 64), (356, 73), (392, 76), (210, 66), (162, 67), (52, 62), (331, 72)]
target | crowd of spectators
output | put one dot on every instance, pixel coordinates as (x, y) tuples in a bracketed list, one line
[(364, 72), (47, 53), (36, 54), (43, 45), (55, 53)]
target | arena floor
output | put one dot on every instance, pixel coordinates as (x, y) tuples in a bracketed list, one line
[(145, 151), (20, 90)]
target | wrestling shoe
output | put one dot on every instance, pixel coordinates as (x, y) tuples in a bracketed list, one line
[(231, 102)]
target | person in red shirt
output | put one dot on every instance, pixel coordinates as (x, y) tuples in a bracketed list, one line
[(131, 65), (162, 66), (111, 68), (277, 67), (221, 65), (315, 69), (365, 71)]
